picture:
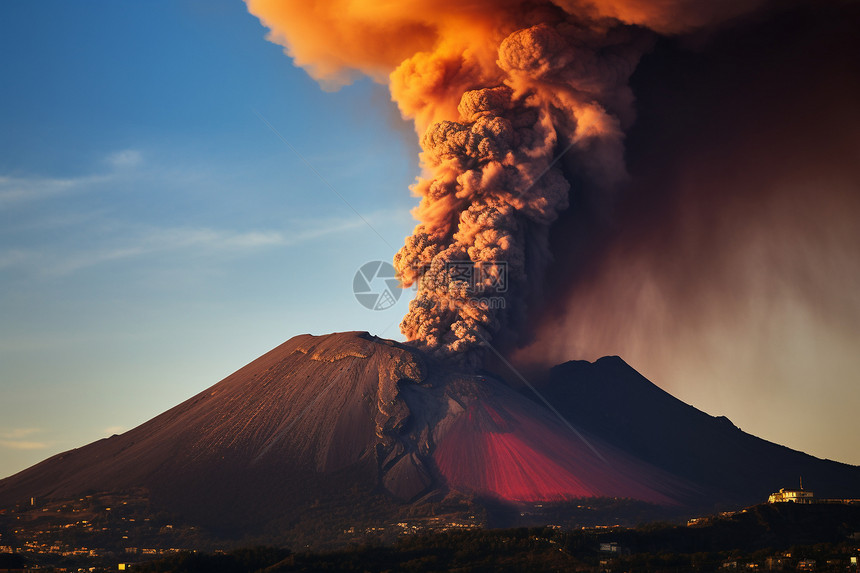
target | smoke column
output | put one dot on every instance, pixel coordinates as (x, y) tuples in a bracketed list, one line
[(512, 101), (731, 272), (495, 185)]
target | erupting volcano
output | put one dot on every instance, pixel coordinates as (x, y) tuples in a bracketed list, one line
[(513, 101), (522, 109), (372, 426)]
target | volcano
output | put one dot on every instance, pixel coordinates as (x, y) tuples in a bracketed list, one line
[(346, 421)]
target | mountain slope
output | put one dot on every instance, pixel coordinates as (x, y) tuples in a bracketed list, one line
[(613, 401), (337, 418), (346, 425), (303, 417)]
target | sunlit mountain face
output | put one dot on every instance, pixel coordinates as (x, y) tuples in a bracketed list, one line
[(350, 428)]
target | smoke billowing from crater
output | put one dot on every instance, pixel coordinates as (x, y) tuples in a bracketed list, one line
[(730, 271), (512, 100)]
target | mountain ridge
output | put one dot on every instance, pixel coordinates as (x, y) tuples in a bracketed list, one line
[(583, 391), (325, 425)]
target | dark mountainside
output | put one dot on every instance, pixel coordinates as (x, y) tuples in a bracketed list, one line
[(612, 400), (348, 428)]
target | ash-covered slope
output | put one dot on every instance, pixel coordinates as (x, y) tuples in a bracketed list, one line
[(301, 422), (349, 424), (615, 402), (342, 417)]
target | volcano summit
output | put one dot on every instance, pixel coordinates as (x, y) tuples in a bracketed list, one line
[(331, 426)]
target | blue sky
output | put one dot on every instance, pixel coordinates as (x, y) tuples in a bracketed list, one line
[(155, 234)]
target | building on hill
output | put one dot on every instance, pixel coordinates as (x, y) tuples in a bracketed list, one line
[(791, 496)]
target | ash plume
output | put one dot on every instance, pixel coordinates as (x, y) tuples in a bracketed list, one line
[(519, 107), (731, 272)]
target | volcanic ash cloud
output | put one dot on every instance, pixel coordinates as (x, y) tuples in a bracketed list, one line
[(518, 104), (496, 184)]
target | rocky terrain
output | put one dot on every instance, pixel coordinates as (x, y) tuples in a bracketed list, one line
[(349, 430)]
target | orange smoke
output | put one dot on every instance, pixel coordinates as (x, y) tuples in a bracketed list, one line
[(441, 48), (512, 100)]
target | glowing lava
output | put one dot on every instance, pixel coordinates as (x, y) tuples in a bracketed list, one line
[(501, 445)]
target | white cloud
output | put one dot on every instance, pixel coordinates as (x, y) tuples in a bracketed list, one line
[(53, 221), (22, 445), (129, 242), (165, 240), (125, 158), (15, 190), (27, 189), (18, 433), (14, 439)]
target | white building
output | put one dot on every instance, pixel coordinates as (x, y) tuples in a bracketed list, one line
[(791, 495)]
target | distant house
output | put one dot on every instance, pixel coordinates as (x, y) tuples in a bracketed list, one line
[(791, 496)]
